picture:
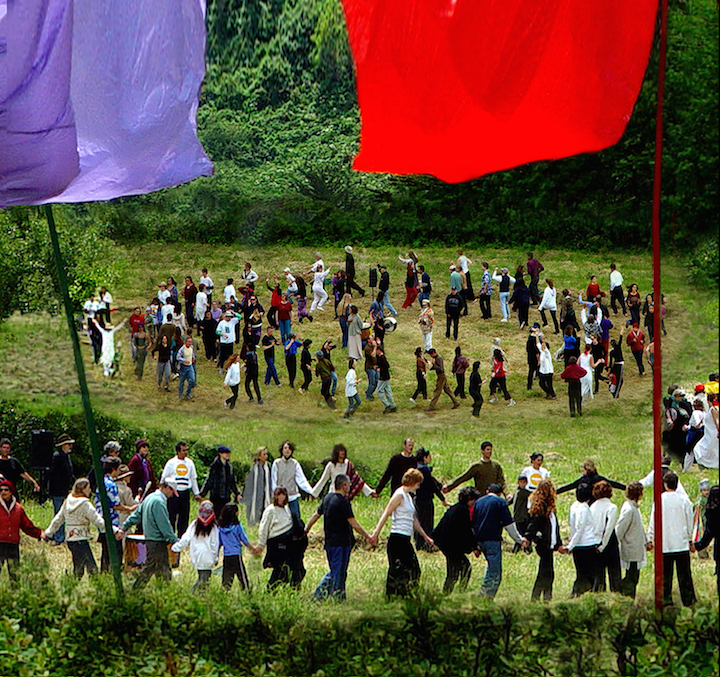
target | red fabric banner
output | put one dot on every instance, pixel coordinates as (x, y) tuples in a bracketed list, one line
[(462, 88)]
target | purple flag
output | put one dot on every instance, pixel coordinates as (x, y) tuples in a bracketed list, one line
[(134, 83)]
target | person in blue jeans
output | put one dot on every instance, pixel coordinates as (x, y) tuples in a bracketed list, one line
[(268, 346), (505, 280), (384, 287), (186, 363), (339, 523), (373, 375), (490, 515)]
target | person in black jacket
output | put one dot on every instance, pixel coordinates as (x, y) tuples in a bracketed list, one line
[(533, 355), (350, 272), (397, 466), (424, 506), (455, 538), (220, 482), (475, 388), (453, 307), (712, 527), (521, 301), (543, 530), (589, 476), (60, 478)]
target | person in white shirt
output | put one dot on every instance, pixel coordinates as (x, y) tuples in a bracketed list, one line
[(582, 542), (163, 294), (167, 311), (291, 283), (91, 307), (549, 302), (534, 472), (209, 285), (105, 301), (604, 514), (248, 274), (226, 332), (201, 303), (232, 379), (229, 291), (677, 540), (649, 479), (203, 538), (181, 470), (351, 382), (287, 472), (275, 532), (318, 264), (616, 290), (630, 532), (319, 293), (546, 370)]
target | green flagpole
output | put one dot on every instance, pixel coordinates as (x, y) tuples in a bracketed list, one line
[(85, 394)]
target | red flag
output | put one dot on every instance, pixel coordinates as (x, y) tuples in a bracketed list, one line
[(461, 88)]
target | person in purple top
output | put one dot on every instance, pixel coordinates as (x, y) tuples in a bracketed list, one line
[(534, 268)]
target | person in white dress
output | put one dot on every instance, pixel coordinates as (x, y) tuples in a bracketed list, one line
[(319, 293), (586, 382), (107, 353), (201, 303), (706, 450)]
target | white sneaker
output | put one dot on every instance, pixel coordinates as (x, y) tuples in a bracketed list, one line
[(412, 400), (503, 320), (511, 403), (493, 399)]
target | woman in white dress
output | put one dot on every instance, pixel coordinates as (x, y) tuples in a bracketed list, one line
[(107, 354), (201, 303), (706, 450), (586, 382)]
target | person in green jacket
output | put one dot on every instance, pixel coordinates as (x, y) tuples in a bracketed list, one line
[(153, 514)]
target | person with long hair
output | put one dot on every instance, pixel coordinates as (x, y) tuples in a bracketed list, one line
[(232, 379), (251, 375), (355, 327), (78, 514), (455, 537), (403, 567), (634, 300), (203, 539), (631, 537), (498, 378), (521, 300), (284, 314), (549, 303), (164, 357), (706, 450), (429, 489), (340, 464), (570, 344), (411, 279), (256, 493), (343, 314), (232, 540), (208, 327), (604, 514), (276, 534), (616, 366), (712, 527), (543, 529), (545, 369), (420, 375)]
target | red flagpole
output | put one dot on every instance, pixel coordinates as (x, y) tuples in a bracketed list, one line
[(657, 319)]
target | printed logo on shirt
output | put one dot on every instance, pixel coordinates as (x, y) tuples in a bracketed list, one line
[(181, 470)]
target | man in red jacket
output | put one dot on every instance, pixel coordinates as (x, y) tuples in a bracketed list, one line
[(12, 520), (572, 374)]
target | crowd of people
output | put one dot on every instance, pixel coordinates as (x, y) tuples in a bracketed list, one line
[(238, 333), (608, 547)]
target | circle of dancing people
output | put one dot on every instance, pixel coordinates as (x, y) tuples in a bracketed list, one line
[(608, 546)]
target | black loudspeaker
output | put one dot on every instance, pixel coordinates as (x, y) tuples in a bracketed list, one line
[(373, 277), (41, 448)]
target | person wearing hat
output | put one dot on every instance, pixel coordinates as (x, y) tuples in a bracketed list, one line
[(13, 520), (384, 287), (60, 478), (11, 469), (142, 469), (350, 272), (426, 322), (163, 293), (226, 337), (152, 515), (220, 482), (505, 281)]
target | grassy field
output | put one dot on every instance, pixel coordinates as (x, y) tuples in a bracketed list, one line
[(37, 371)]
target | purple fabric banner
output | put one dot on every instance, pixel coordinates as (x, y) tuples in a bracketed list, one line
[(134, 85)]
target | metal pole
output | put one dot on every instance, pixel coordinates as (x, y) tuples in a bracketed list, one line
[(85, 394), (657, 319)]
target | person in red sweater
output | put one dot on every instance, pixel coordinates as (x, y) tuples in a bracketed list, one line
[(593, 290), (12, 520), (572, 374), (636, 340)]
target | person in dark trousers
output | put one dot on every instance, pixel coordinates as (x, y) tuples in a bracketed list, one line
[(572, 375), (441, 385), (475, 388), (589, 475), (384, 287), (616, 366), (534, 268), (486, 291), (60, 478), (396, 468), (583, 542), (268, 346), (339, 524), (152, 514), (459, 367), (425, 285), (455, 538), (350, 283), (420, 375), (111, 468), (220, 483), (490, 515), (323, 370), (712, 527), (533, 354), (677, 542), (519, 502), (604, 513), (543, 529), (305, 364), (291, 347), (521, 301), (453, 307), (13, 520), (632, 540), (143, 477), (427, 491)]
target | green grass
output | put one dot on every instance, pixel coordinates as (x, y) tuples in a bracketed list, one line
[(36, 363)]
